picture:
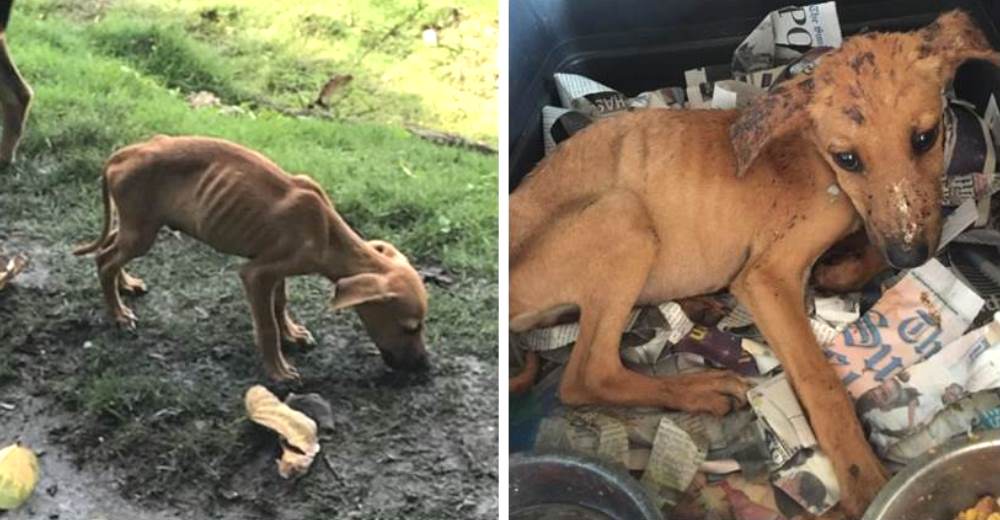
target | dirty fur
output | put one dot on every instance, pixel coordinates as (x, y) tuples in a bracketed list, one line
[(744, 199)]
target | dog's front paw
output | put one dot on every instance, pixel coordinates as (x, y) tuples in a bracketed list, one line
[(283, 372), (716, 392), (863, 481), (125, 318)]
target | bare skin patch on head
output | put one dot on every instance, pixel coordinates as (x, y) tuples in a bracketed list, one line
[(854, 114)]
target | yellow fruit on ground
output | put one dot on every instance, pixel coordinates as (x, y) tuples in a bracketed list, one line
[(18, 475)]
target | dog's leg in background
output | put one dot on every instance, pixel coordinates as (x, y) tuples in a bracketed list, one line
[(260, 281), (850, 271), (290, 331), (15, 95), (775, 298)]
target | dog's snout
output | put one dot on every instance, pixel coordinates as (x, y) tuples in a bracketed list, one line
[(902, 255), (415, 363)]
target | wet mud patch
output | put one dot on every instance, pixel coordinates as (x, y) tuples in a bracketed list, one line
[(155, 417)]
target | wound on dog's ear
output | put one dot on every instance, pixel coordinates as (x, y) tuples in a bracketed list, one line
[(768, 117), (953, 39)]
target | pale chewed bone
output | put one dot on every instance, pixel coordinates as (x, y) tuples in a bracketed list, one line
[(298, 432)]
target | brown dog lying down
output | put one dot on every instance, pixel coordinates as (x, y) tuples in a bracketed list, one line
[(240, 203), (660, 205), (15, 95)]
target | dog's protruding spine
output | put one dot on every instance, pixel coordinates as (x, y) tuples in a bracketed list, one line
[(93, 246)]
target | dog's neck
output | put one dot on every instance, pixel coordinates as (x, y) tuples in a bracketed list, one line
[(347, 254)]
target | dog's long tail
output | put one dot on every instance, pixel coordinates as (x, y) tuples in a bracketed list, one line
[(93, 246)]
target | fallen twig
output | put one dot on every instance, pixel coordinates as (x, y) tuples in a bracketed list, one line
[(449, 139)]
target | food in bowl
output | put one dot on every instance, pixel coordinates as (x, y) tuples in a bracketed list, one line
[(988, 508)]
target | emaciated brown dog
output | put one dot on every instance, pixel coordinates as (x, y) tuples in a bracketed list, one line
[(239, 202), (659, 205)]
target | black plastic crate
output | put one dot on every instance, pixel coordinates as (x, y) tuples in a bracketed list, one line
[(641, 45)]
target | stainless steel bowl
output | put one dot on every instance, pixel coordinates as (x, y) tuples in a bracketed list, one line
[(573, 487), (942, 482)]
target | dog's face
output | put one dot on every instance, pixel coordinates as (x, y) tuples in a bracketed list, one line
[(393, 307), (873, 109)]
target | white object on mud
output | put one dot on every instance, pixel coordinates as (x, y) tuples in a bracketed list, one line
[(298, 432)]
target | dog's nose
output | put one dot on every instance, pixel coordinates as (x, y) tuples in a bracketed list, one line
[(417, 363), (902, 255)]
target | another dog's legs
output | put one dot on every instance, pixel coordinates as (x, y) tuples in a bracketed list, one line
[(290, 331), (15, 97), (774, 295), (617, 254), (129, 243), (259, 282)]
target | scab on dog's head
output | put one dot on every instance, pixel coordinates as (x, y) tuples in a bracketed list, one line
[(873, 109), (393, 306)]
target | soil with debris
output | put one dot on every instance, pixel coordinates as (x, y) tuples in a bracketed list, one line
[(150, 424)]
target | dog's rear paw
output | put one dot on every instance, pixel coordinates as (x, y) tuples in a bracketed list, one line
[(717, 392), (132, 285)]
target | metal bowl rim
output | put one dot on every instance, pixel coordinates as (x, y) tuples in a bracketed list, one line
[(926, 463)]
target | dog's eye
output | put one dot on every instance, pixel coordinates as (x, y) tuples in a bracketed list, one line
[(922, 141), (848, 161)]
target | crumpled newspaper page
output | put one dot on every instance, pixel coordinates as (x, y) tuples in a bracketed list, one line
[(719, 348), (913, 320), (976, 412), (810, 481), (787, 428), (12, 268), (673, 462), (838, 311), (584, 100), (802, 471), (912, 398), (785, 34), (648, 331)]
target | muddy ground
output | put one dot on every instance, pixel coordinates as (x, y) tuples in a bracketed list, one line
[(150, 424)]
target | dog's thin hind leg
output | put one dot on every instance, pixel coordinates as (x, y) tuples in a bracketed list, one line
[(617, 255), (291, 331), (128, 244)]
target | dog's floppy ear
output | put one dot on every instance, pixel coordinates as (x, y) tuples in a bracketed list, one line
[(360, 288), (384, 248), (953, 39), (770, 116)]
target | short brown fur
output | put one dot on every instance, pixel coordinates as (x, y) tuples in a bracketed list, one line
[(241, 203), (600, 227)]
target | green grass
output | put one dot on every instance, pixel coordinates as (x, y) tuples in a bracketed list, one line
[(106, 77)]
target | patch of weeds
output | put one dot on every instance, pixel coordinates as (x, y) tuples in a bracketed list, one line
[(115, 399), (321, 26), (165, 51)]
